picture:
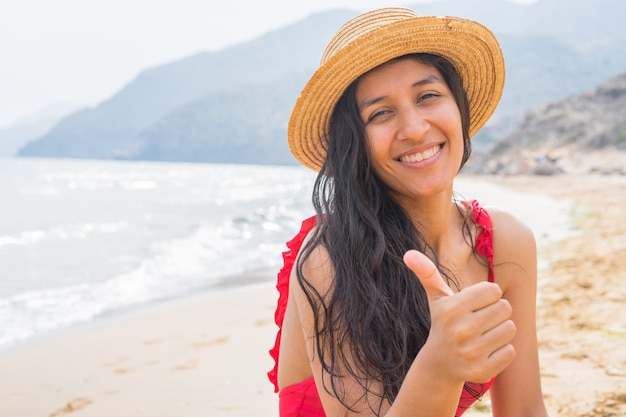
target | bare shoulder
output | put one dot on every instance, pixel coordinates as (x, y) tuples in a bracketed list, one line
[(509, 231), (514, 246)]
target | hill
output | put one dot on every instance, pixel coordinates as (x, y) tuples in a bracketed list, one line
[(201, 108), (584, 133), (112, 129), (37, 124)]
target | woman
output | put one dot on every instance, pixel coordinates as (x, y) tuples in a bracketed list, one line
[(397, 299)]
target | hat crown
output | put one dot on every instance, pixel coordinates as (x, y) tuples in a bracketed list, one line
[(363, 24)]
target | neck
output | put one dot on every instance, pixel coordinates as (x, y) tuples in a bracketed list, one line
[(437, 218)]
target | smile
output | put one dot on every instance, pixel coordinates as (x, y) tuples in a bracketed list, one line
[(422, 156)]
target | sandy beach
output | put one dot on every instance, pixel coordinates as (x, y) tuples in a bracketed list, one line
[(581, 320), (206, 355)]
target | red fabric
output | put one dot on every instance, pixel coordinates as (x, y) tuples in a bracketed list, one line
[(289, 258), (302, 399), (484, 240)]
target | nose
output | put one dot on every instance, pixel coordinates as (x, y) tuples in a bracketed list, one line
[(412, 125)]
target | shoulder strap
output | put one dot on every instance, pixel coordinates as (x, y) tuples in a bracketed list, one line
[(484, 240)]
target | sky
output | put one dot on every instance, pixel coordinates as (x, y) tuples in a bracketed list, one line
[(63, 54)]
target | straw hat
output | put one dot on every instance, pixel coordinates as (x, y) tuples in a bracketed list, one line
[(375, 37)]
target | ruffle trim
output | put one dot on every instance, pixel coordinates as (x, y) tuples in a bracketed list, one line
[(289, 258)]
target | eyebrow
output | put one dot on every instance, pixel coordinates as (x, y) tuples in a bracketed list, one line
[(431, 79)]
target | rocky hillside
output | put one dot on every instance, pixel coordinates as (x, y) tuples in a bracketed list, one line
[(585, 133)]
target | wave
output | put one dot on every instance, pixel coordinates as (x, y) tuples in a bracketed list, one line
[(81, 230), (210, 255)]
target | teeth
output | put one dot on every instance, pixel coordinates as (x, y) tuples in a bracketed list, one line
[(417, 157)]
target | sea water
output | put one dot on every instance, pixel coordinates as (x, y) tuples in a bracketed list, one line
[(83, 238)]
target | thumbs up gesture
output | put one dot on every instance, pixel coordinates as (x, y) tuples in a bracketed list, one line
[(471, 330)]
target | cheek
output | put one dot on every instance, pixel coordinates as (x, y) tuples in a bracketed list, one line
[(454, 127), (451, 117), (377, 160), (379, 143), (379, 155)]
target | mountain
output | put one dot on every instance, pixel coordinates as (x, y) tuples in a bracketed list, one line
[(111, 129), (33, 126), (15, 136), (244, 125), (233, 105), (585, 133)]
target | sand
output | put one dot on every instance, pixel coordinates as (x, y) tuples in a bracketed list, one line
[(206, 355), (581, 311), (201, 356)]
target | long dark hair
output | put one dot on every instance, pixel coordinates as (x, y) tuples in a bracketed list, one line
[(376, 318)]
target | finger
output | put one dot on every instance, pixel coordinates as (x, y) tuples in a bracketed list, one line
[(502, 358), (494, 314), (497, 343), (428, 275), (500, 335)]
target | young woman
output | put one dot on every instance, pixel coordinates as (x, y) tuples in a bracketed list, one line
[(397, 298)]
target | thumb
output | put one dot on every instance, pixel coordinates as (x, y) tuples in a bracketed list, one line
[(428, 275)]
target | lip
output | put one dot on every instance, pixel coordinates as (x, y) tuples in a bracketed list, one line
[(422, 157)]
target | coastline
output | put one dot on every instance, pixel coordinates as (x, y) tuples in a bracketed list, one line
[(207, 354)]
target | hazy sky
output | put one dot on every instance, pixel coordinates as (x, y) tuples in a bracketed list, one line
[(59, 52)]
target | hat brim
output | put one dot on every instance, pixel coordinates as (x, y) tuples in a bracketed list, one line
[(468, 45)]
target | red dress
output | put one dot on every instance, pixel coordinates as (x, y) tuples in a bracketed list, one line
[(302, 399)]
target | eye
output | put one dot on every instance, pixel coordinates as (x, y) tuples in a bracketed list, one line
[(377, 115), (427, 96)]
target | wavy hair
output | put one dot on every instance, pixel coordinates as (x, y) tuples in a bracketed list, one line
[(375, 318)]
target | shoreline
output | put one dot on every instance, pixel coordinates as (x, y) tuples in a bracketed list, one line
[(179, 357), (207, 353), (242, 280), (226, 287)]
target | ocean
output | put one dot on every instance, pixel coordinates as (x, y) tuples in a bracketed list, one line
[(80, 239), (83, 238)]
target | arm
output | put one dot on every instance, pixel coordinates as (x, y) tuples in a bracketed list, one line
[(517, 390), (468, 341)]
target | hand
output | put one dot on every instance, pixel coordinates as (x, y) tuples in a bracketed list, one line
[(471, 330)]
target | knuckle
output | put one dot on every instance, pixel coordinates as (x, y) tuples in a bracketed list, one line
[(505, 307), (463, 335), (494, 290), (511, 328), (468, 355), (487, 292), (477, 372), (507, 355)]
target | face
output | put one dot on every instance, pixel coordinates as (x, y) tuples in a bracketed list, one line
[(413, 127)]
